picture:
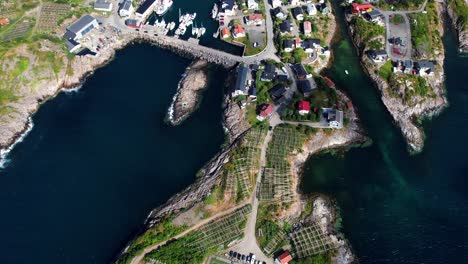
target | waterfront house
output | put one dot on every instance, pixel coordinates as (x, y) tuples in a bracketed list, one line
[(424, 68), (286, 27), (72, 45), (280, 13), (103, 5), (284, 258), (307, 28), (298, 13), (276, 3), (334, 117), (145, 9), (81, 27), (315, 42), (357, 8), (325, 51), (133, 23), (303, 107), (311, 10), (4, 21), (288, 45), (225, 33), (265, 111), (240, 86), (229, 7), (305, 86), (238, 31), (252, 4), (126, 8), (373, 16), (269, 74), (299, 71), (254, 19), (377, 55), (324, 9)]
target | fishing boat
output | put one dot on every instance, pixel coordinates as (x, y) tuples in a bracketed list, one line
[(201, 30), (346, 71), (214, 11), (194, 30), (162, 6)]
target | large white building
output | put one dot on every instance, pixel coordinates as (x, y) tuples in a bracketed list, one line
[(145, 9), (81, 27)]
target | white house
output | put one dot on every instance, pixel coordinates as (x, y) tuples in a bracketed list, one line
[(334, 117), (103, 5), (126, 8), (229, 7), (252, 4), (72, 45), (311, 10), (288, 45), (276, 3), (279, 13)]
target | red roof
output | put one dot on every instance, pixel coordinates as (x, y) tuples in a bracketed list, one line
[(297, 41), (303, 106), (255, 16), (307, 26), (238, 29), (360, 7), (226, 32), (285, 257), (4, 21), (266, 110), (329, 82)]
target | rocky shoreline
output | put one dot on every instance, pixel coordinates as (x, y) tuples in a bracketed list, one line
[(407, 114), (460, 28), (189, 91)]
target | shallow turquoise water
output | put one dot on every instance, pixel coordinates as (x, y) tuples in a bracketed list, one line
[(399, 208)]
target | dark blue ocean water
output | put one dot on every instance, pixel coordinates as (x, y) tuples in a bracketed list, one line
[(399, 208), (98, 160)]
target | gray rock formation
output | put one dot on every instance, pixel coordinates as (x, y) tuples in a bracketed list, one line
[(460, 27)]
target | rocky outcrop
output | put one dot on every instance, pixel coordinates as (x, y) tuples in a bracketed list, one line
[(324, 213), (406, 114), (459, 24), (234, 120), (188, 95)]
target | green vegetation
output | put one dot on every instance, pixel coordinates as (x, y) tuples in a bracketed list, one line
[(197, 245), (413, 85), (386, 70), (397, 19), (461, 10), (365, 31), (155, 235), (400, 4), (323, 258), (424, 33), (375, 44), (299, 54)]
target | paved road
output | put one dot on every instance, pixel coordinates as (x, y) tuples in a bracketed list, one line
[(407, 33)]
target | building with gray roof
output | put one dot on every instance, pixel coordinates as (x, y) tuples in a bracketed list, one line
[(81, 27)]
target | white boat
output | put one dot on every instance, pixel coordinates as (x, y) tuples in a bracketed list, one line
[(346, 71), (194, 30), (162, 6), (214, 12), (162, 25), (201, 30), (171, 25)]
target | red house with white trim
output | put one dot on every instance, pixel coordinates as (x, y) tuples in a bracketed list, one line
[(265, 112), (284, 258), (303, 107)]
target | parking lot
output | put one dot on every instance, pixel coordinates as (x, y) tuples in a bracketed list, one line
[(399, 38)]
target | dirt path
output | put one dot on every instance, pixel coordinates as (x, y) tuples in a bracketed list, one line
[(139, 258)]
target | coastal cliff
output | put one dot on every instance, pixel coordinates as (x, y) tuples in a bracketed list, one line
[(189, 91), (456, 9), (408, 98)]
